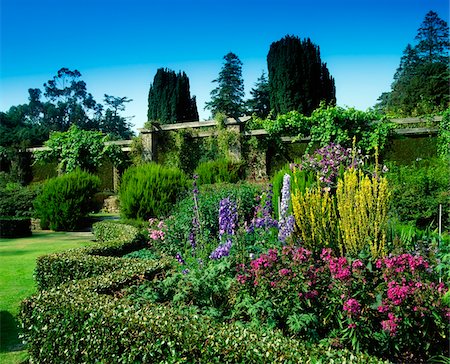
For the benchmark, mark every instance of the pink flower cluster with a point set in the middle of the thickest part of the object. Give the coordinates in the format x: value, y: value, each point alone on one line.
x: 391, y: 324
x: 402, y: 263
x: 156, y: 232
x: 339, y: 267
x: 397, y: 293
x: 352, y: 306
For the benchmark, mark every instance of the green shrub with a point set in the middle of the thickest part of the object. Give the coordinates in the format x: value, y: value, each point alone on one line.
x: 150, y: 190
x: 65, y: 200
x: 91, y: 321
x: 220, y: 170
x: 58, y: 268
x: 16, y: 200
x: 418, y: 189
x: 15, y: 227
x: 114, y: 231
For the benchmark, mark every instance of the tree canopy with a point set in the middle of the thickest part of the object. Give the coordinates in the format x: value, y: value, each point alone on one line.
x: 298, y: 79
x: 228, y: 97
x: 169, y: 98
x: 421, y: 82
x: 259, y: 103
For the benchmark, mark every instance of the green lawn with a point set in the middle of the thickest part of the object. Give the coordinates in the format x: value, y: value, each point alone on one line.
x: 17, y: 263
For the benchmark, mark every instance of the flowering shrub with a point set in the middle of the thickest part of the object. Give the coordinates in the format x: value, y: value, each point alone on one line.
x: 390, y: 308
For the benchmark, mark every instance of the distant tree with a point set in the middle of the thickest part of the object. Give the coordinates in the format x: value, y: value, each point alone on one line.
x: 228, y: 96
x: 298, y: 79
x: 112, y: 123
x: 169, y: 98
x: 421, y: 82
x: 74, y: 105
x: 259, y: 103
x: 432, y: 37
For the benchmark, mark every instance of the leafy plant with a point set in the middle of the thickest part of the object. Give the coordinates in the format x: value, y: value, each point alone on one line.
x: 418, y: 190
x: 150, y: 190
x: 218, y: 171
x: 65, y: 200
x: 79, y: 148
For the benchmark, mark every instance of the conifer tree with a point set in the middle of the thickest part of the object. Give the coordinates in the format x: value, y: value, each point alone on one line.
x: 259, y: 103
x: 298, y: 79
x: 228, y: 96
x: 421, y: 82
x: 169, y: 98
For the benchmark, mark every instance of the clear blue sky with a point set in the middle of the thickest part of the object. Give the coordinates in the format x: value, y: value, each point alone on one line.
x: 118, y: 45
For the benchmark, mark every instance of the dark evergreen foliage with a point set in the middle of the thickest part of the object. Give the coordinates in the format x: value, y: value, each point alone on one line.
x: 259, y: 103
x: 169, y: 98
x: 298, y: 79
x: 421, y: 82
x: 228, y: 97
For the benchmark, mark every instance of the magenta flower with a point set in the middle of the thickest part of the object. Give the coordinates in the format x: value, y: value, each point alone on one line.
x: 352, y: 306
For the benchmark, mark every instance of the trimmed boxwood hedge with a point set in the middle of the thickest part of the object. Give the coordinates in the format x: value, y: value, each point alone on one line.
x: 15, y: 227
x: 109, y: 230
x: 58, y: 268
x: 89, y: 321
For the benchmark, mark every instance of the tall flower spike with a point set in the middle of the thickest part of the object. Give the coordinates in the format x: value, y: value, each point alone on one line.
x: 286, y: 224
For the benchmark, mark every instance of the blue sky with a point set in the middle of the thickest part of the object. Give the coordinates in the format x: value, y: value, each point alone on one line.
x: 118, y: 45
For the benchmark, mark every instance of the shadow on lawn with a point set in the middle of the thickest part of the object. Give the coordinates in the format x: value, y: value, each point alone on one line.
x: 9, y: 332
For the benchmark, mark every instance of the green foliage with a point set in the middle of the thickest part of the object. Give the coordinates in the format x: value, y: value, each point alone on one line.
x: 15, y: 227
x: 108, y: 230
x: 227, y: 97
x: 298, y: 79
x: 444, y: 135
x: 55, y: 269
x: 65, y: 200
x: 150, y: 190
x: 218, y: 171
x: 78, y: 148
x: 418, y: 189
x: 91, y: 318
x: 333, y: 125
x: 169, y: 98
x: 421, y: 82
x: 113, y: 124
x: 259, y: 103
x: 17, y: 201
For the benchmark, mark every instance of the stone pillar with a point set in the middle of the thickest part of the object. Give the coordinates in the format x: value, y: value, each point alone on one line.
x: 234, y: 147
x: 148, y: 144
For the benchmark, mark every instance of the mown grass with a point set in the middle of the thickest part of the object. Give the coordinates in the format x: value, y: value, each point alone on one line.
x: 17, y: 263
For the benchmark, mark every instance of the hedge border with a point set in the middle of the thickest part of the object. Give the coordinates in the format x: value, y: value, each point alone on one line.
x: 92, y: 318
x: 99, y: 258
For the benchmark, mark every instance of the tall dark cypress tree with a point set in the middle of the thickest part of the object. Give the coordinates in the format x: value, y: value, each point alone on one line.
x: 298, y: 79
x: 169, y: 98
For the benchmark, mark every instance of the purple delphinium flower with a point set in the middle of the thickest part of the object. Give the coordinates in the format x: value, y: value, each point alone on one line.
x: 180, y: 258
x: 223, y: 250
x: 263, y: 215
x: 227, y: 217
x: 286, y: 224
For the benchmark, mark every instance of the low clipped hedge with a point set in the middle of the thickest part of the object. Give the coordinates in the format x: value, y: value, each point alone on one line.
x: 58, y: 268
x: 90, y: 321
x: 15, y: 227
x: 109, y: 230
